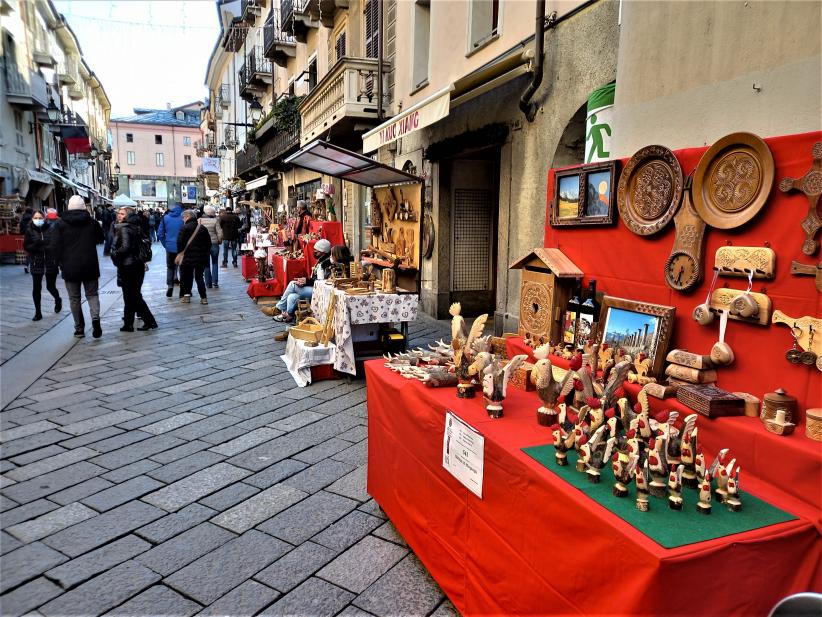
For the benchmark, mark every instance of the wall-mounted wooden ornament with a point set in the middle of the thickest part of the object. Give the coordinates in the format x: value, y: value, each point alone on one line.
x: 811, y: 185
x: 683, y: 268
x: 724, y: 299
x: 738, y: 260
x: 802, y: 269
x: 804, y: 324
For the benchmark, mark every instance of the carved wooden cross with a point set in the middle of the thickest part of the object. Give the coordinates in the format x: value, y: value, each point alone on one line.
x: 811, y: 185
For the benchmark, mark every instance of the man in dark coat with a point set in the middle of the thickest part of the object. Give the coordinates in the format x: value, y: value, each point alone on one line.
x: 74, y: 245
x: 230, y: 224
x: 197, y: 254
x: 167, y: 233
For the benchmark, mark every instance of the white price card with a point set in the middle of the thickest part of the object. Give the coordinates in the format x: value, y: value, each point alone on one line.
x: 463, y: 453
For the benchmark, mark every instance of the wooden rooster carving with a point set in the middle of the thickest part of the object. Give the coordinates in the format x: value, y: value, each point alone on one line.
x: 462, y: 341
x: 549, y: 390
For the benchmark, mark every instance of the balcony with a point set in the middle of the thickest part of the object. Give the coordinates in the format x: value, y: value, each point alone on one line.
x: 283, y: 142
x: 247, y: 159
x: 41, y: 54
x: 346, y: 98
x: 250, y: 10
x: 277, y: 45
x: 75, y: 92
x: 224, y: 96
x: 32, y: 94
x: 67, y: 72
x: 255, y: 74
x: 299, y: 16
x: 328, y: 10
x: 234, y: 36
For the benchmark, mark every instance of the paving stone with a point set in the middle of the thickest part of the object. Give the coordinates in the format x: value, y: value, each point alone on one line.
x: 355, y: 435
x: 33, y: 442
x: 387, y: 531
x: 407, y: 589
x: 362, y: 564
x: 307, y: 518
x: 148, y: 418
x: 276, y: 473
x: 157, y: 600
x: 77, y: 415
x: 122, y: 493
x: 353, y: 485
x: 60, y: 393
x: 373, y: 508
x: 225, y: 434
x: 196, y: 486
x: 175, y: 553
x: 357, y: 454
x: 314, y: 597
x: 169, y: 424
x: 82, y: 568
x: 137, y: 451
x: 445, y: 609
x: 173, y: 524
x: 92, y: 438
x: 322, y: 451
x: 258, y: 508
x: 296, y: 421
x: 103, y: 592
x: 52, y: 463
x: 247, y: 599
x: 296, y: 566
x: 353, y: 611
x: 27, y: 429
x: 230, y: 496
x: 211, y: 576
x: 80, y: 491
x: 27, y: 597
x: 185, y: 466
x: 92, y: 424
x: 209, y: 425
x: 7, y: 504
x: 27, y: 562
x: 104, y: 528
x: 129, y: 384
x: 318, y: 476
x: 186, y: 385
x: 122, y: 440
x: 131, y: 471
x: 26, y: 512
x: 175, y: 454
x: 347, y: 531
x: 50, y: 523
x: 8, y: 543
x: 248, y: 440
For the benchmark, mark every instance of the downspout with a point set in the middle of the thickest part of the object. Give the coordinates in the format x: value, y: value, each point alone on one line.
x: 380, y: 114
x: 530, y: 110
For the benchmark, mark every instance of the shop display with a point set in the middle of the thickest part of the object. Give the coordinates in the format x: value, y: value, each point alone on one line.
x: 776, y: 400
x: 467, y: 344
x: 813, y: 423
x: 807, y: 338
x: 742, y: 309
x: 584, y: 195
x: 721, y: 352
x: 650, y: 190
x: 710, y: 401
x: 739, y: 260
x: 683, y: 268
x: 801, y: 269
x: 779, y: 425
x: 495, y: 378
x: 811, y: 185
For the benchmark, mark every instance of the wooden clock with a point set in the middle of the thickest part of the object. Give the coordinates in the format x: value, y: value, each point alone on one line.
x: 683, y: 268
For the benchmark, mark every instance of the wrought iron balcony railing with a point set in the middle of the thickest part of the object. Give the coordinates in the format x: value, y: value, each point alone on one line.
x: 247, y: 159
x: 277, y: 45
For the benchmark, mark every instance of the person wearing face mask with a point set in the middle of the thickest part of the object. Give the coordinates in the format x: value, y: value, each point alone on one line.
x: 303, y: 288
x: 42, y: 262
x: 125, y: 253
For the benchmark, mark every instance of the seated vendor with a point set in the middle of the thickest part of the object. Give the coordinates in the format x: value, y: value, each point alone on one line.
x: 303, y: 288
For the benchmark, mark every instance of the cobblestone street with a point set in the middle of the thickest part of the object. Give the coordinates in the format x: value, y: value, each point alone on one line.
x: 181, y: 471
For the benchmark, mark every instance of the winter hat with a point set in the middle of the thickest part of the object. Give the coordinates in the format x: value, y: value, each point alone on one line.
x: 76, y: 203
x: 323, y: 246
x: 209, y: 211
x: 51, y: 214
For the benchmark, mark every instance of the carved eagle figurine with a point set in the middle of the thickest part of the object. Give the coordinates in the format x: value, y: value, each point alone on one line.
x: 549, y: 390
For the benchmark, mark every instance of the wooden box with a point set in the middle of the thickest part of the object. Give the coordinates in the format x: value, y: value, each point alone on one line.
x: 710, y: 401
x: 548, y: 279
x: 522, y: 377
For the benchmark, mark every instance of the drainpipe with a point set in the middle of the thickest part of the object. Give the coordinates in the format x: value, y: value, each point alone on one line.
x: 530, y: 110
x: 380, y: 115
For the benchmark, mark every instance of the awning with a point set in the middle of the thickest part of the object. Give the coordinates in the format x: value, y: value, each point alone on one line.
x: 75, y: 138
x: 419, y: 115
x: 257, y: 183
x: 329, y: 159
x: 78, y: 189
x: 39, y: 176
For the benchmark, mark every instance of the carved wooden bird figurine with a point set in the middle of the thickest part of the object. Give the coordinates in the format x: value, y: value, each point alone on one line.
x: 549, y: 390
x: 495, y: 383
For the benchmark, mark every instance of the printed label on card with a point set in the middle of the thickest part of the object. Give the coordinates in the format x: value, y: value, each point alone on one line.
x: 463, y: 453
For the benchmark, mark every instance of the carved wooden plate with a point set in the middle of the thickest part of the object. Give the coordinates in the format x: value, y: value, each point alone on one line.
x: 733, y: 180
x: 649, y: 190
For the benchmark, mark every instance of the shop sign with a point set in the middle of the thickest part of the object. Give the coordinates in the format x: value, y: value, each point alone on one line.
x: 416, y: 117
x: 463, y: 453
x: 211, y: 165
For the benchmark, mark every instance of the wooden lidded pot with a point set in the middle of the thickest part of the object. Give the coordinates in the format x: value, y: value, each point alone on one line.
x: 813, y: 423
x: 778, y: 399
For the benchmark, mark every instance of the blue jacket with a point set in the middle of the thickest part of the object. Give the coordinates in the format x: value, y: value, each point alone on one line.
x: 170, y: 228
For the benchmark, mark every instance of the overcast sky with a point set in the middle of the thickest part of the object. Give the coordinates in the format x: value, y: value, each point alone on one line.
x: 146, y: 53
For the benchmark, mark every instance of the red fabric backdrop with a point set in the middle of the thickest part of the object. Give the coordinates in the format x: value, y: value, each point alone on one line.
x: 631, y: 266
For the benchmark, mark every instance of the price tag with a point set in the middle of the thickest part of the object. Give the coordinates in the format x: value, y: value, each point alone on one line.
x: 463, y: 453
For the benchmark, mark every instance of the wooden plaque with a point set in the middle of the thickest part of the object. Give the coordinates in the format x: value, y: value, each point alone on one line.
x: 650, y: 190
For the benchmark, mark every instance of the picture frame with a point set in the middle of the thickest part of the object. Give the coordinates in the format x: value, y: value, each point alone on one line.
x: 637, y: 327
x: 584, y: 195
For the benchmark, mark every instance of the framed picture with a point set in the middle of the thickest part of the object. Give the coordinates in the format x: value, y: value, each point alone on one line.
x: 637, y: 327
x: 584, y: 195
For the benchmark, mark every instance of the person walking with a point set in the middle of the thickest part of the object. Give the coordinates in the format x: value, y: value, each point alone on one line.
x: 108, y: 222
x: 127, y: 255
x: 152, y: 226
x: 74, y: 241
x: 37, y: 243
x: 210, y: 221
x: 25, y: 222
x: 230, y: 225
x: 195, y: 247
x: 167, y: 234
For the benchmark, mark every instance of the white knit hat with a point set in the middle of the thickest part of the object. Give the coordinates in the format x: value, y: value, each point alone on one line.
x: 323, y: 246
x: 76, y: 203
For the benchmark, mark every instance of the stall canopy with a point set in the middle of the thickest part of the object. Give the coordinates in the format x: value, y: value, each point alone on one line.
x: 329, y: 159
x: 124, y: 200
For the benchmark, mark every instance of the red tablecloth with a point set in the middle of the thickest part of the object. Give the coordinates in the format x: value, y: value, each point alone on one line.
x: 248, y: 267
x: 535, y: 545
x: 267, y: 289
x: 286, y: 270
x: 9, y: 243
x: 330, y: 230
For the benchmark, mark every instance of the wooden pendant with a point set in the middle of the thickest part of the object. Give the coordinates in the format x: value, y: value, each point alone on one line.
x: 811, y: 185
x: 683, y: 268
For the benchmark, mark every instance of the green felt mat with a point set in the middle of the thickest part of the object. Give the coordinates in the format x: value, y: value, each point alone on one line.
x: 669, y: 528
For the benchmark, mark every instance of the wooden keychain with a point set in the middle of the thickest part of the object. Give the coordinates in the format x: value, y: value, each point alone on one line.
x: 794, y: 355
x: 808, y: 357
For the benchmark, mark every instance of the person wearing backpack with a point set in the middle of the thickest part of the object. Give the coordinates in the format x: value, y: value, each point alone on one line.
x: 128, y: 252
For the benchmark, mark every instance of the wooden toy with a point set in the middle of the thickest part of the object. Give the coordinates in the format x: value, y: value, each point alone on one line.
x: 463, y: 342
x: 658, y: 467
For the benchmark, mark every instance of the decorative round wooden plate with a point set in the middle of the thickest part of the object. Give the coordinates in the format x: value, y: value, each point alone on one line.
x: 649, y: 190
x: 733, y: 180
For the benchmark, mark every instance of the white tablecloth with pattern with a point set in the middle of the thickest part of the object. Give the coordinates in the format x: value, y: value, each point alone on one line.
x: 353, y: 310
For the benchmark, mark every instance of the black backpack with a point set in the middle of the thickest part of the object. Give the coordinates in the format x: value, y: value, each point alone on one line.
x: 144, y: 252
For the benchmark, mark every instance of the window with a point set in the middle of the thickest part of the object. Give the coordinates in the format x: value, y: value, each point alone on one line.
x: 339, y: 46
x: 130, y: 138
x: 160, y: 159
x: 187, y: 160
x: 312, y: 74
x: 158, y: 139
x: 18, y: 128
x: 422, y: 40
x: 131, y: 158
x: 180, y: 116
x: 484, y: 21
x: 372, y: 28
x: 186, y: 140
x: 291, y: 91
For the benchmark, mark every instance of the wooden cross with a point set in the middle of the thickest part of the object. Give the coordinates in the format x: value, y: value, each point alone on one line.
x: 811, y: 185
x: 800, y: 269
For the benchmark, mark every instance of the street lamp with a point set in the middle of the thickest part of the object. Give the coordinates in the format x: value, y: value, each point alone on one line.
x: 117, y: 168
x: 53, y: 111
x: 94, y: 152
x: 222, y: 150
x: 256, y: 111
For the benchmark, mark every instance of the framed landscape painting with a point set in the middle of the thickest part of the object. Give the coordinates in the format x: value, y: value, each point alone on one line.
x: 584, y: 195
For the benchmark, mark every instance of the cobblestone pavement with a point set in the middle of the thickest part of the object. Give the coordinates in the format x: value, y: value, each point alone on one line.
x: 180, y: 471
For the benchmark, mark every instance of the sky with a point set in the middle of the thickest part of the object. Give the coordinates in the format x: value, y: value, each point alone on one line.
x: 146, y: 53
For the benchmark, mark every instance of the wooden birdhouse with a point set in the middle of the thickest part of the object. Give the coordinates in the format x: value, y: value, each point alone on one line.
x: 548, y: 279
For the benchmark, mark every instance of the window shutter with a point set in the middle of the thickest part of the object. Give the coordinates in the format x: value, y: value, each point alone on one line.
x: 372, y: 26
x: 340, y: 46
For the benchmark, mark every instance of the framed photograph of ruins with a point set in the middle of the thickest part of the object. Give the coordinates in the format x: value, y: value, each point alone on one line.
x: 637, y: 328
x: 584, y: 195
